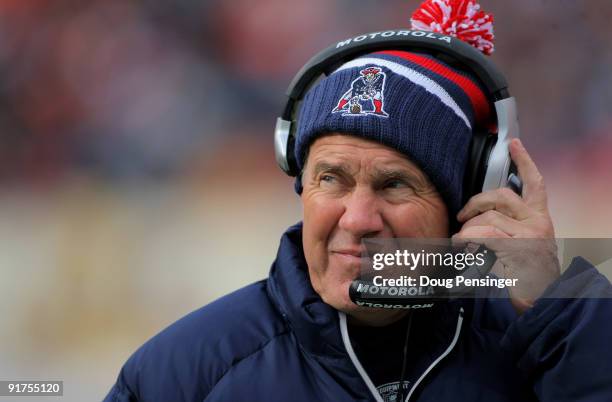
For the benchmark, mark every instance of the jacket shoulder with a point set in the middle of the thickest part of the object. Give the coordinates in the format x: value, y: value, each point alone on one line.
x: 185, y: 360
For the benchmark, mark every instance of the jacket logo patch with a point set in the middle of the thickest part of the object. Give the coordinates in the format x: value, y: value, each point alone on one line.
x: 365, y: 96
x: 389, y: 391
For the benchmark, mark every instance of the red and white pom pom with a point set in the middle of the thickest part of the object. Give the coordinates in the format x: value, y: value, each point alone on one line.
x: 460, y: 18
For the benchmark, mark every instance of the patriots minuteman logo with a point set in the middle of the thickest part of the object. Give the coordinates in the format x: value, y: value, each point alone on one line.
x: 365, y: 97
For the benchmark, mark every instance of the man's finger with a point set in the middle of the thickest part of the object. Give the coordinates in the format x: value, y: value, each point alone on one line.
x: 481, y: 233
x: 498, y: 220
x: 503, y: 200
x: 534, y: 192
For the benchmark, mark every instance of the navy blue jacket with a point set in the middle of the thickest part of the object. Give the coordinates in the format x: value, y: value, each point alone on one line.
x: 275, y: 340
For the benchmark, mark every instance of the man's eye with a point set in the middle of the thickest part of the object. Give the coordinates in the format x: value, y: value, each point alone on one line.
x: 391, y: 184
x: 327, y: 178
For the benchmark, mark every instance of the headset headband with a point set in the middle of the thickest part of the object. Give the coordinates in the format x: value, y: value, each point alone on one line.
x: 441, y: 46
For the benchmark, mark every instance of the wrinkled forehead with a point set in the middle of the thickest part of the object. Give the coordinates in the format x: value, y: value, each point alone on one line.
x: 355, y: 156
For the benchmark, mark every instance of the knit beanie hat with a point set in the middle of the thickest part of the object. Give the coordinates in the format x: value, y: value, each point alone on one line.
x: 411, y: 102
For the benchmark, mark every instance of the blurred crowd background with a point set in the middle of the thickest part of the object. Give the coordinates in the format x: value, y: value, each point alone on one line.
x: 137, y: 176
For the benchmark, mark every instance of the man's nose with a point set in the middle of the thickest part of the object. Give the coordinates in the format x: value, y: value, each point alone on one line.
x: 362, y: 215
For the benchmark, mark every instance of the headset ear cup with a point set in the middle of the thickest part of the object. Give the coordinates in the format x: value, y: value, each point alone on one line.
x: 284, y: 147
x: 291, y: 162
x: 480, y: 148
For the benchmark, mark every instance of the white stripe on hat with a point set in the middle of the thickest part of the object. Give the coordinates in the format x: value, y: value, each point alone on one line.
x: 419, y: 79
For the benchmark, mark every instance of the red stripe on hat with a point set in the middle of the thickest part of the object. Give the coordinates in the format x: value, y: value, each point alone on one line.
x: 479, y: 101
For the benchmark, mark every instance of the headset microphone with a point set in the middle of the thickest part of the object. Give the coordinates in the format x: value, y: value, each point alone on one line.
x: 364, y: 293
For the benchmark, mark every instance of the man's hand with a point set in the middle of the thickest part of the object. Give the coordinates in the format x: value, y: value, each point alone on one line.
x: 503, y: 214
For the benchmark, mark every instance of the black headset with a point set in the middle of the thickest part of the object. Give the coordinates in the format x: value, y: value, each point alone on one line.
x: 489, y: 166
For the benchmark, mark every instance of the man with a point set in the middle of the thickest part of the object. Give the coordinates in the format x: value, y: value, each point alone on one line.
x: 297, y: 336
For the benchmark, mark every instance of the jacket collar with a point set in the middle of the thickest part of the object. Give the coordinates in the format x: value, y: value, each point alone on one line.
x: 314, y: 322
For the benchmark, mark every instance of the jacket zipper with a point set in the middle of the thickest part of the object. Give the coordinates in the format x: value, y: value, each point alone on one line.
x: 349, y: 348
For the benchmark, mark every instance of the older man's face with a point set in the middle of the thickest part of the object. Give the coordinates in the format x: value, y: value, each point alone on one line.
x: 354, y: 189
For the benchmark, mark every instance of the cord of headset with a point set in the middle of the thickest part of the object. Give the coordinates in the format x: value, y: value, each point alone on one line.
x: 400, y: 390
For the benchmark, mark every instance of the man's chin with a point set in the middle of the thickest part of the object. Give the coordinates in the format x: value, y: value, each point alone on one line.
x: 342, y: 301
x: 340, y: 298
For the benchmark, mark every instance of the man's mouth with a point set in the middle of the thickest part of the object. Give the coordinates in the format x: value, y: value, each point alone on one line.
x: 355, y: 252
x: 351, y: 256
